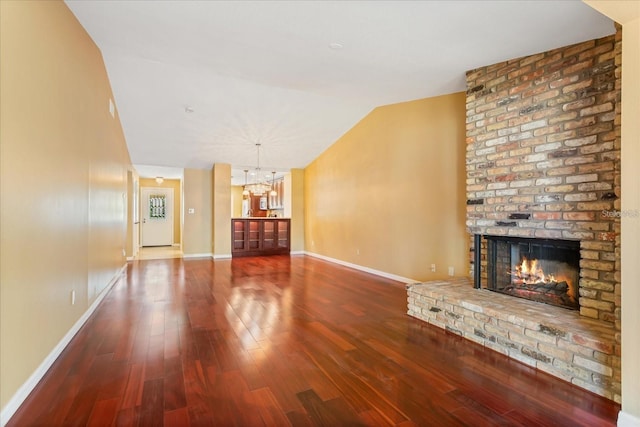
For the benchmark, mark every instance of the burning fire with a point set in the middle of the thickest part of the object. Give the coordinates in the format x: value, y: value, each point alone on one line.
x: 529, y: 273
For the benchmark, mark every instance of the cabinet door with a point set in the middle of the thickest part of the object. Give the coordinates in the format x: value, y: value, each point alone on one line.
x: 239, y: 236
x: 283, y: 234
x: 269, y: 234
x: 254, y: 235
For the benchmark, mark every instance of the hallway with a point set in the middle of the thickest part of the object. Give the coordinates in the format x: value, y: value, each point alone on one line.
x: 285, y: 340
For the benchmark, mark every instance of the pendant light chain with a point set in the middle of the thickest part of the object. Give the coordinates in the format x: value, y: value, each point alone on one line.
x: 258, y: 187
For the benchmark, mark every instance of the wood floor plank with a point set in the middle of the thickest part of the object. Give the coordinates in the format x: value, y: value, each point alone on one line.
x: 321, y: 414
x: 152, y: 407
x: 133, y: 390
x: 177, y: 418
x: 126, y: 417
x: 268, y: 407
x: 104, y: 412
x: 174, y: 390
x: 279, y: 341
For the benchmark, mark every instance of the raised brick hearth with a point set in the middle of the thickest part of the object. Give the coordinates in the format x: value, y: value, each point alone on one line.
x: 543, y: 161
x: 553, y: 339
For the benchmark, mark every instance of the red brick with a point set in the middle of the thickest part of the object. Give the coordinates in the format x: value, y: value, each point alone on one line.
x: 579, y: 216
x: 586, y: 121
x: 542, y: 96
x: 579, y: 48
x: 518, y: 71
x: 563, y: 81
x: 580, y: 85
x: 519, y: 88
x: 577, y: 67
x: 547, y: 215
x: 596, y: 109
x: 549, y: 59
x: 562, y: 117
x: 582, y: 103
x: 598, y: 50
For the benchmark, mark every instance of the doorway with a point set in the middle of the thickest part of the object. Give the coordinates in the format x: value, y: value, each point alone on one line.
x: 157, y: 216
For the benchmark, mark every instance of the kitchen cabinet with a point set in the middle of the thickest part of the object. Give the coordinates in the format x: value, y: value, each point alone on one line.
x: 260, y: 236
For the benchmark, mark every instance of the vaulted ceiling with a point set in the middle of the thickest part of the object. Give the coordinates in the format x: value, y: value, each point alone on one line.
x: 201, y: 82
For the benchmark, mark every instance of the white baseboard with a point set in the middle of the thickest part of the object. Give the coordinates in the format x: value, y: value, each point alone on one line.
x: 23, y: 392
x: 362, y: 268
x: 205, y: 255
x: 208, y: 255
x: 296, y: 253
x: 627, y: 420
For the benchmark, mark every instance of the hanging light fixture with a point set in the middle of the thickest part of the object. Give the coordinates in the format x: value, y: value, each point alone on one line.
x: 245, y: 191
x: 258, y: 188
x: 273, y: 191
x: 159, y: 179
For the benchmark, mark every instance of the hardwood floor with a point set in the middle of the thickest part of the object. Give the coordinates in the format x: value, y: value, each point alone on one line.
x: 279, y: 341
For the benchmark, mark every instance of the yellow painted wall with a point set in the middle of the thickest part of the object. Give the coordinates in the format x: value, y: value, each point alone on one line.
x: 131, y: 247
x: 177, y: 201
x: 64, y: 166
x: 236, y: 201
x: 390, y: 194
x: 294, y: 207
x: 627, y: 13
x: 197, y: 229
x: 221, y: 238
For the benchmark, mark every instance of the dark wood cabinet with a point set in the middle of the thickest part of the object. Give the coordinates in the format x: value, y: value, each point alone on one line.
x: 260, y: 236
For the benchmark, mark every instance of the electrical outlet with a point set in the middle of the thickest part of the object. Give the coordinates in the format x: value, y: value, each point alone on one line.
x: 451, y: 271
x: 433, y: 268
x: 357, y: 251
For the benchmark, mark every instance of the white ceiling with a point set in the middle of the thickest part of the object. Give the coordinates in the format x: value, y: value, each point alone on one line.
x: 263, y: 72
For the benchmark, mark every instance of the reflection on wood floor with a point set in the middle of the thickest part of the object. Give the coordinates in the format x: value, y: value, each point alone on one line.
x: 159, y: 252
x: 277, y: 341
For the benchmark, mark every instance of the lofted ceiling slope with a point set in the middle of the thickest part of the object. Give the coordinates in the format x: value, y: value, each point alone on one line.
x: 201, y: 82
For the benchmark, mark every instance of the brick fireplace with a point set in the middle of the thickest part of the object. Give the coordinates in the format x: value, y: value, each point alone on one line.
x: 543, y: 162
x: 542, y: 270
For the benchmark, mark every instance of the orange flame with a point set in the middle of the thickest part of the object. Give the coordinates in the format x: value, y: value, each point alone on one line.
x: 529, y: 272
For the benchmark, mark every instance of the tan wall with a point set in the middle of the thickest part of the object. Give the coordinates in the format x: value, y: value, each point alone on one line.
x: 627, y: 13
x: 64, y: 167
x: 197, y: 229
x: 177, y: 201
x: 389, y: 195
x: 221, y: 210
x: 131, y: 247
x: 236, y: 201
x: 294, y: 207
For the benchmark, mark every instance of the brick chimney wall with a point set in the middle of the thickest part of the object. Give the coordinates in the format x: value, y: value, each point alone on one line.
x: 543, y: 158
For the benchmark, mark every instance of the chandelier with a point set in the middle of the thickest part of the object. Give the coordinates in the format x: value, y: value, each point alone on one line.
x: 257, y: 188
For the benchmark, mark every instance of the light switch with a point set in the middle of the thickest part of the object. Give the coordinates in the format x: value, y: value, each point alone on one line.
x: 191, y: 210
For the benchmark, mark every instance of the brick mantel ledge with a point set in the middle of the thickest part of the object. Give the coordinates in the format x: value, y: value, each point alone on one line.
x: 553, y: 339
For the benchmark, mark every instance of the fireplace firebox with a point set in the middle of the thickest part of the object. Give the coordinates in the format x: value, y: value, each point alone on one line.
x: 542, y: 270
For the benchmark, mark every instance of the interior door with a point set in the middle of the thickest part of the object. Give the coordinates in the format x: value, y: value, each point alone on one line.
x: 157, y: 216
